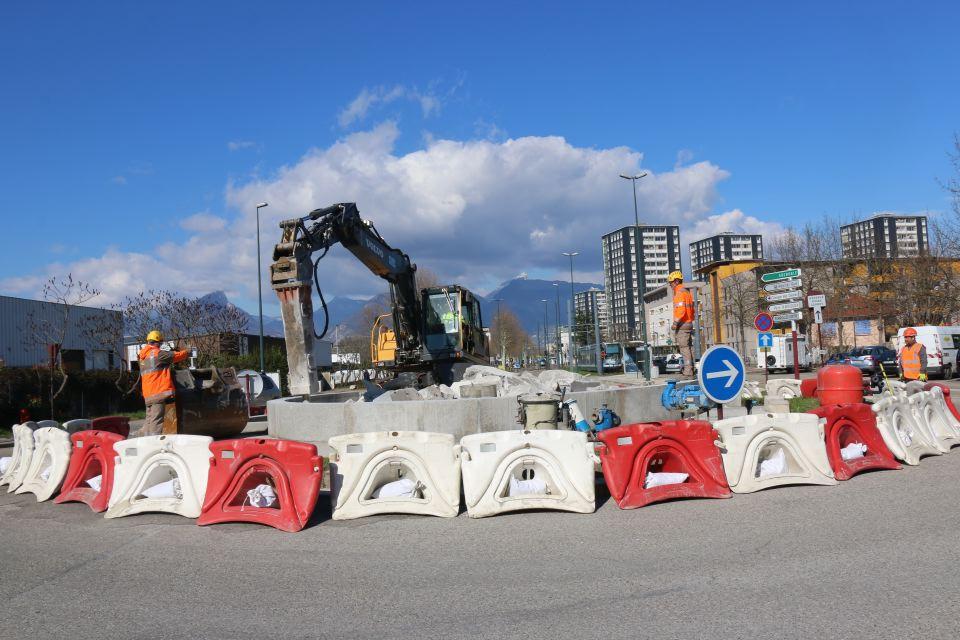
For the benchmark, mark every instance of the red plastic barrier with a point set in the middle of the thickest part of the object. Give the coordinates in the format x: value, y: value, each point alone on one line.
x: 293, y: 469
x: 92, y: 456
x: 946, y: 395
x: 849, y: 423
x: 631, y: 451
x: 114, y: 424
x: 840, y: 384
x: 808, y: 388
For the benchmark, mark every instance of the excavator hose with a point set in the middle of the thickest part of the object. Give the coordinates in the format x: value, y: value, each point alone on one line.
x: 323, y: 303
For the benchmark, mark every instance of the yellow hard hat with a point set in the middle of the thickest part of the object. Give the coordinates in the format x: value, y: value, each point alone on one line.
x: 676, y: 275
x: 154, y: 336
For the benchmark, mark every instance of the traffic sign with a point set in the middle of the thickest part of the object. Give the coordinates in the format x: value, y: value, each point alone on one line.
x: 817, y: 301
x: 763, y: 321
x: 765, y: 340
x: 786, y: 295
x: 787, y: 306
x: 783, y: 285
x: 788, y: 317
x: 721, y: 373
x: 818, y: 315
x: 780, y: 275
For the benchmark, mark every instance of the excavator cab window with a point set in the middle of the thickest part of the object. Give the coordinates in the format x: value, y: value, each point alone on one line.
x: 443, y: 321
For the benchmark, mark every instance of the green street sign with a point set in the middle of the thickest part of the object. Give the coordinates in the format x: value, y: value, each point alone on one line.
x: 780, y: 275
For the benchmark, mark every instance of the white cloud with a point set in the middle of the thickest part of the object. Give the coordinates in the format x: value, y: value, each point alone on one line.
x: 203, y: 222
x: 734, y: 220
x: 119, y: 180
x: 367, y: 99
x: 237, y: 145
x: 475, y: 212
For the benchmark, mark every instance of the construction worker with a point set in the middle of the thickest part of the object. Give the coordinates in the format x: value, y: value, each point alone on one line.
x: 156, y: 381
x: 683, y: 316
x: 912, y: 357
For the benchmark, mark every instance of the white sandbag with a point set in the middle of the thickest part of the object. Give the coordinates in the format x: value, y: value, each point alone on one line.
x: 403, y: 488
x: 661, y: 479
x: 5, y: 464
x: 168, y: 489
x: 853, y: 451
x: 533, y: 487
x: 774, y: 465
x: 95, y: 482
x: 262, y: 496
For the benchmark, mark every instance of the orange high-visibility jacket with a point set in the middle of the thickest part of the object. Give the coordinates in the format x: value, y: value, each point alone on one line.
x: 913, y: 361
x: 682, y: 306
x: 156, y: 379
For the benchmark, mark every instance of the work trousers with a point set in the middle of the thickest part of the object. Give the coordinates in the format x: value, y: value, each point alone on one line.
x: 684, y: 340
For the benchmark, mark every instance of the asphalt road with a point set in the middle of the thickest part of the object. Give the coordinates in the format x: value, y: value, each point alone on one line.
x: 875, y: 557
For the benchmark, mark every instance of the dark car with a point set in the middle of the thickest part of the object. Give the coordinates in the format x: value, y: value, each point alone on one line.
x: 869, y: 359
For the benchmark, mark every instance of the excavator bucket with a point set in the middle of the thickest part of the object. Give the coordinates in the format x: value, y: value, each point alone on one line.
x: 210, y: 402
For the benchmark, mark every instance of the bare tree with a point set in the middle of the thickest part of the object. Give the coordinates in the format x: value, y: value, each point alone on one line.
x: 508, y: 335
x: 740, y: 296
x: 50, y: 331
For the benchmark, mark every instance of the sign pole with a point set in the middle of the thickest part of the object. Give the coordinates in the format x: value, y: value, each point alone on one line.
x: 796, y: 356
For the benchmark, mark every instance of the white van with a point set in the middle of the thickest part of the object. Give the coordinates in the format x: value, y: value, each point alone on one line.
x: 942, y: 344
x: 780, y: 355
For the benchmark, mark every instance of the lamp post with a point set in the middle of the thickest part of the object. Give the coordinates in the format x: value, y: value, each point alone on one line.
x: 570, y: 254
x: 546, y: 352
x: 503, y: 346
x: 642, y: 276
x: 633, y: 179
x: 260, y: 283
x: 557, y: 327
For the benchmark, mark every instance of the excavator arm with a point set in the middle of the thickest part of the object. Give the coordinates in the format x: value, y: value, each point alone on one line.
x: 294, y: 271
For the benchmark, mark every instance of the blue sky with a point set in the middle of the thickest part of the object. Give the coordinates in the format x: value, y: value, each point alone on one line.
x: 136, y: 138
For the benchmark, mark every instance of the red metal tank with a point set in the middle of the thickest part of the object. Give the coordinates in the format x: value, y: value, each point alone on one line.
x: 840, y: 384
x: 808, y: 388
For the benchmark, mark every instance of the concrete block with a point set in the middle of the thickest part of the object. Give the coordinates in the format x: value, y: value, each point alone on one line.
x: 320, y: 419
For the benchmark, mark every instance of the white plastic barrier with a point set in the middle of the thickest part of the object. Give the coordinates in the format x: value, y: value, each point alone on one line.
x: 900, y: 431
x: 78, y: 424
x: 23, y: 446
x: 379, y: 472
x: 928, y: 412
x: 772, y: 449
x: 913, y: 386
x: 165, y: 473
x: 51, y: 457
x: 518, y: 470
x: 783, y: 388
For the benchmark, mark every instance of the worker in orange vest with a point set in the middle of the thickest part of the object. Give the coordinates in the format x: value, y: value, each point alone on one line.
x: 912, y: 357
x: 156, y: 380
x: 683, y: 317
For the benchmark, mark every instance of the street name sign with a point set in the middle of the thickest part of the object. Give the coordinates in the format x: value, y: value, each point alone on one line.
x: 721, y: 374
x: 783, y: 285
x: 763, y: 321
x: 787, y: 306
x: 780, y: 275
x: 765, y: 340
x: 788, y: 317
x: 786, y: 295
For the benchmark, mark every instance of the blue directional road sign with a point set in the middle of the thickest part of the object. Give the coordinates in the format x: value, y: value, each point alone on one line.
x: 721, y: 374
x: 764, y: 340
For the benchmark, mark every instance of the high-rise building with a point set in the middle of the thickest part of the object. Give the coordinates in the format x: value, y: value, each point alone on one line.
x: 886, y: 235
x: 583, y: 308
x: 725, y: 246
x: 636, y: 259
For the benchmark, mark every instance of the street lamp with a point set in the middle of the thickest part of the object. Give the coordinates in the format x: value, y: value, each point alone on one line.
x: 633, y: 179
x: 260, y: 283
x: 546, y: 351
x: 570, y: 254
x: 503, y: 346
x: 557, y: 326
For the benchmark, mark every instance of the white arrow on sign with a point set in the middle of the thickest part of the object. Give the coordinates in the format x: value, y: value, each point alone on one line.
x: 787, y: 295
x: 783, y: 285
x: 818, y: 315
x: 787, y: 317
x: 730, y: 374
x: 787, y: 306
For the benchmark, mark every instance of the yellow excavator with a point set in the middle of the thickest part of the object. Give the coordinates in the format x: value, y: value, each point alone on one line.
x: 436, y: 332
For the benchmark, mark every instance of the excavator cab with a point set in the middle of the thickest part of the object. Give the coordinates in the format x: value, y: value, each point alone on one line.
x: 453, y: 326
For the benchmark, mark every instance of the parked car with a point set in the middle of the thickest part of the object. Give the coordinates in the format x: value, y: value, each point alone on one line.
x: 837, y: 358
x: 673, y: 363
x: 259, y: 390
x: 869, y: 359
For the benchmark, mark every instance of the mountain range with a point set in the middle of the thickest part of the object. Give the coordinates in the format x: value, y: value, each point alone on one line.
x: 523, y: 296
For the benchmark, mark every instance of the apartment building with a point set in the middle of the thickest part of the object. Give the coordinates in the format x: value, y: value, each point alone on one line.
x: 725, y: 246
x: 886, y: 235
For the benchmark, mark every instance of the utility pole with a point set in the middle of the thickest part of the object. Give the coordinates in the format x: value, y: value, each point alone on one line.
x: 557, y: 326
x: 503, y: 344
x: 260, y: 283
x: 546, y: 352
x: 570, y: 254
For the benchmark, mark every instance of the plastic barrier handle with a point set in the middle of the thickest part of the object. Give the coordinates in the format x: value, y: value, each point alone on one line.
x: 592, y: 452
x: 460, y: 452
x: 719, y: 444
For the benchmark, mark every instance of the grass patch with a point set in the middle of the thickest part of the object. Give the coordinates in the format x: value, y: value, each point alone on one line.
x: 6, y: 433
x: 802, y: 405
